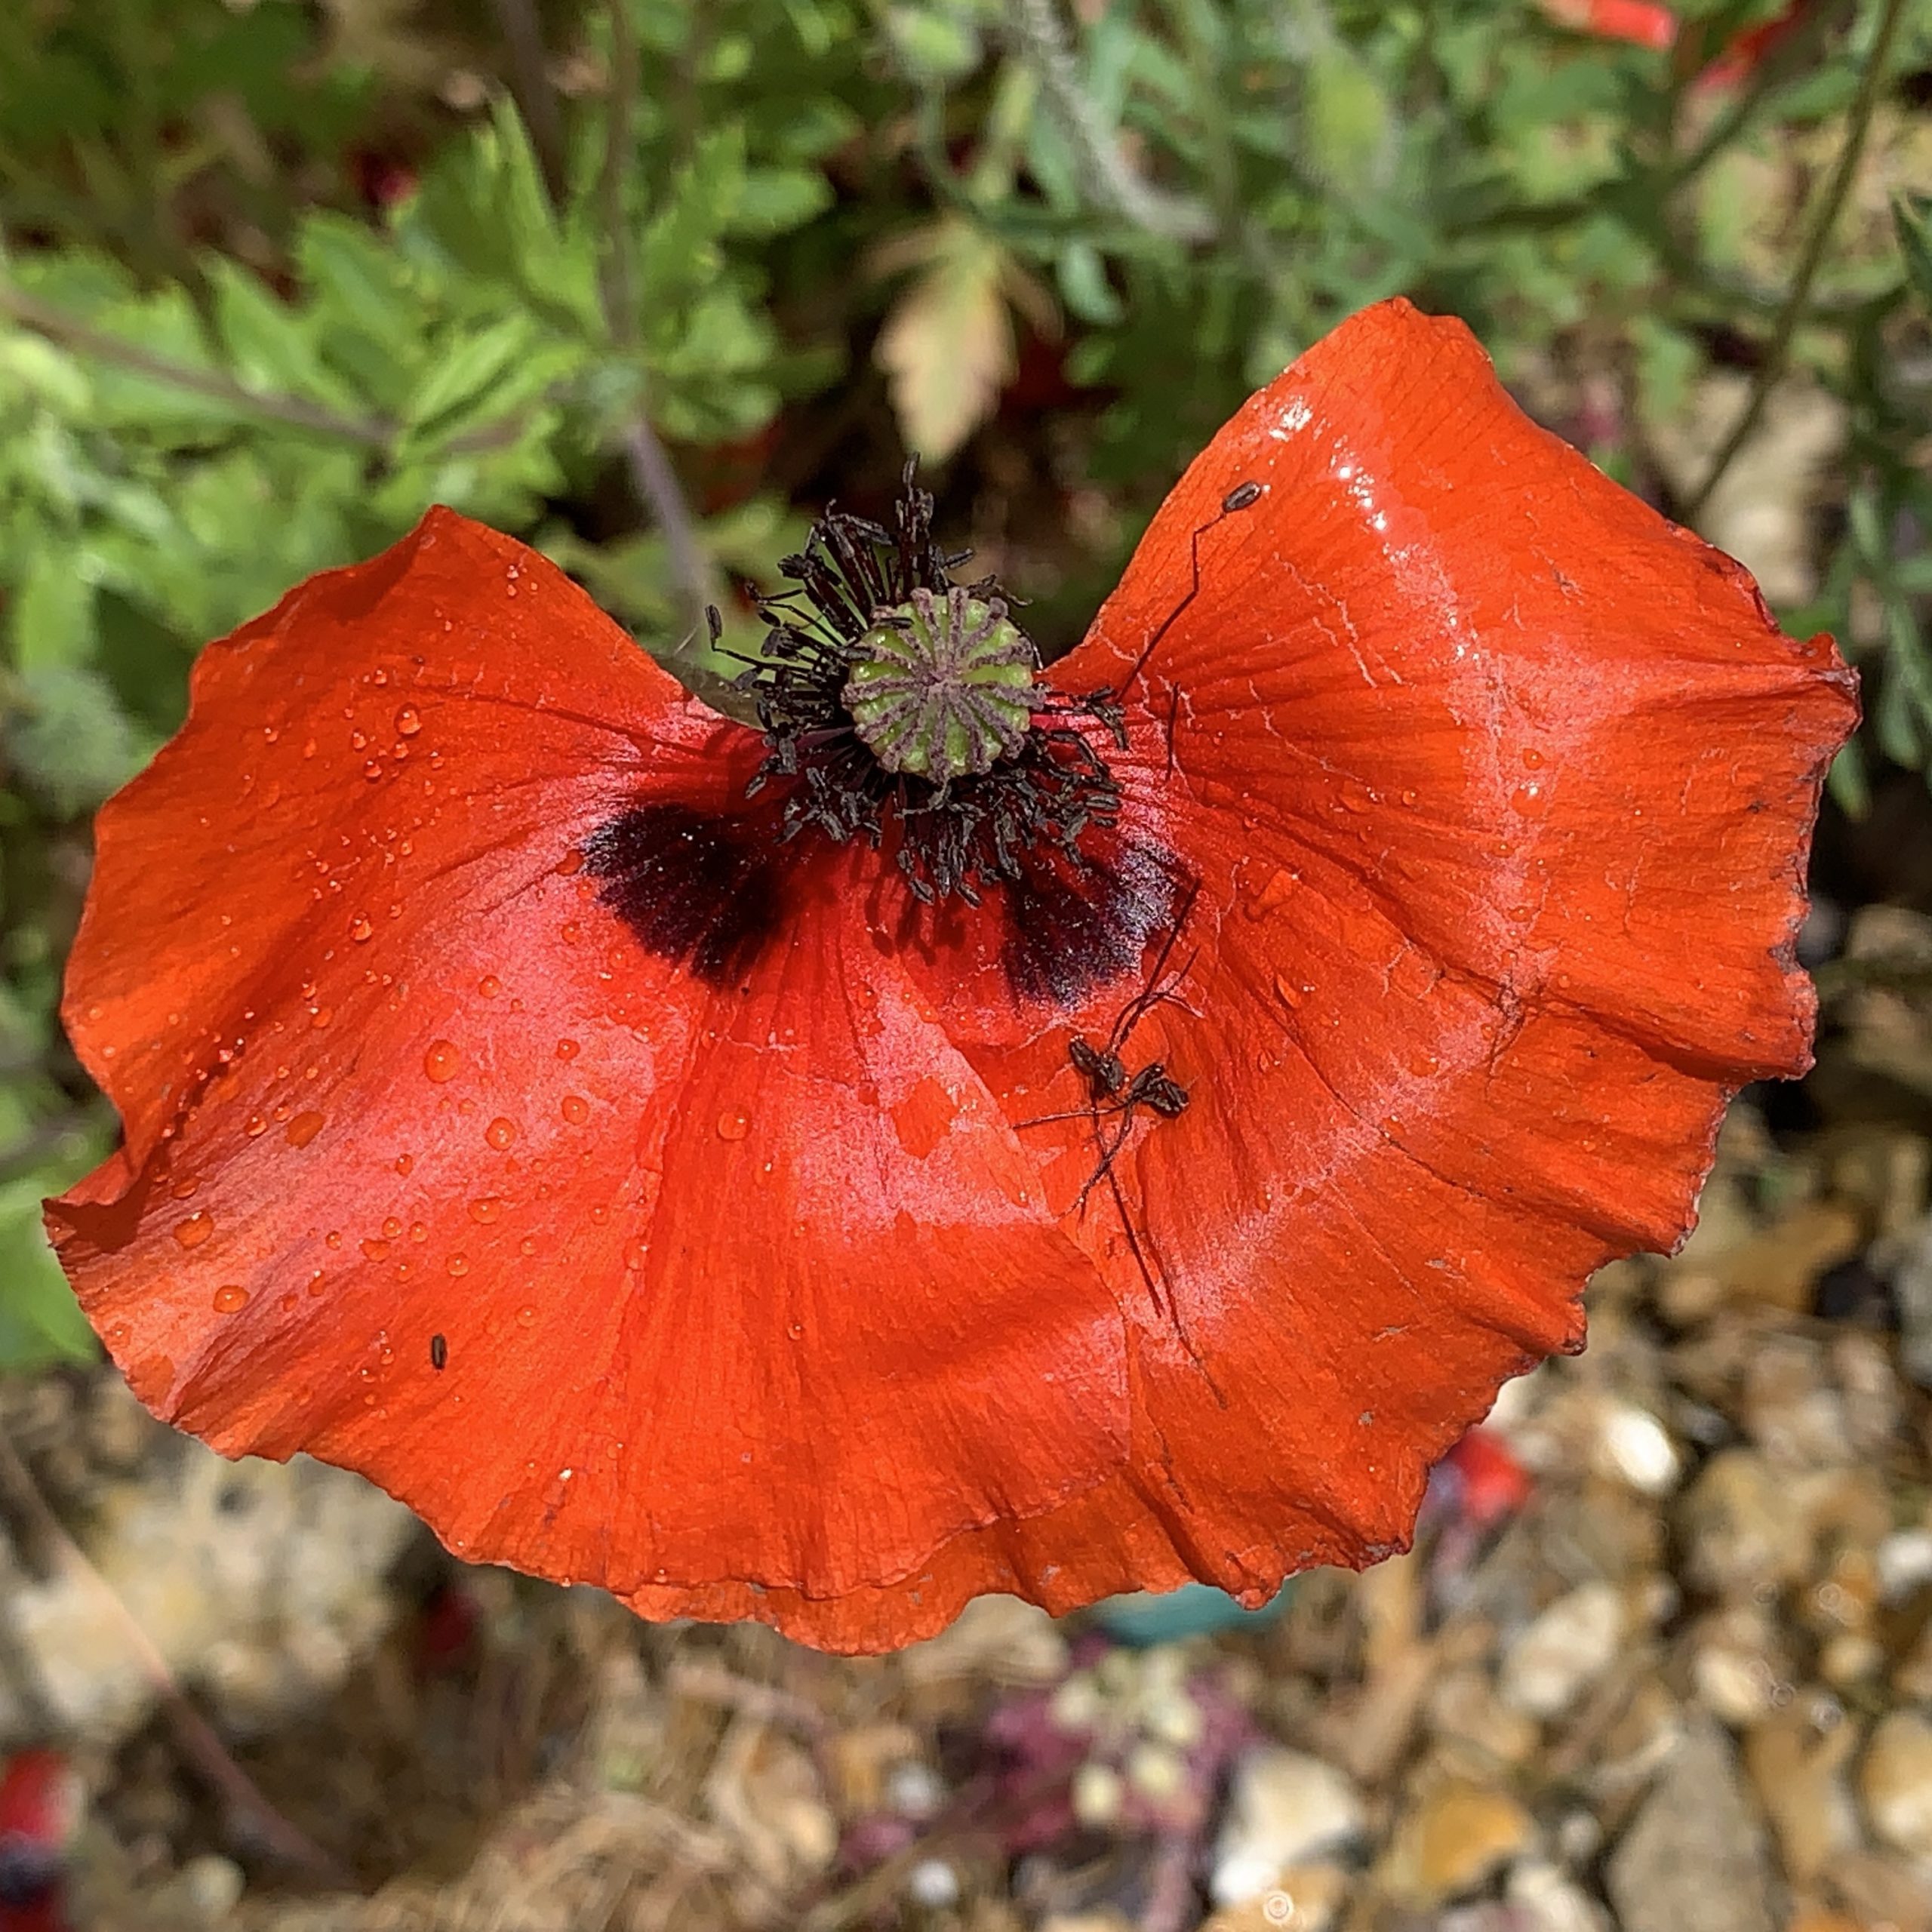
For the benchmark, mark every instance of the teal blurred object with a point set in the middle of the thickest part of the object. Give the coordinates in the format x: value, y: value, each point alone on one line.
x: 1194, y: 1609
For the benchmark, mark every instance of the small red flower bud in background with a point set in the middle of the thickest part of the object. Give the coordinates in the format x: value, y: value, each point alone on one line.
x: 1642, y: 22
x: 40, y: 1806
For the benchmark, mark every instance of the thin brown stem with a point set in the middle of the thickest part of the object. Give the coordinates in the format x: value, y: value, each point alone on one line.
x: 200, y: 1742
x: 536, y: 97
x: 652, y: 475
x: 293, y: 411
x: 1039, y: 36
x: 1797, y: 54
x: 1777, y: 352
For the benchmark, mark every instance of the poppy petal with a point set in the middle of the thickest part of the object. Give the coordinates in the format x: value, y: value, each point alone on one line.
x: 612, y: 1270
x: 1560, y: 740
x: 1499, y: 789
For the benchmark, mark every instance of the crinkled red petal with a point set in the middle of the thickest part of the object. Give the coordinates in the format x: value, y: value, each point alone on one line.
x: 777, y: 1302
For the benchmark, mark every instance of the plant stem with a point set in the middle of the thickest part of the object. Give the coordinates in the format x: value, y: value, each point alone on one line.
x: 199, y: 1739
x: 1778, y: 351
x: 1785, y: 62
x: 536, y: 99
x: 294, y: 412
x: 1040, y: 38
x: 652, y: 475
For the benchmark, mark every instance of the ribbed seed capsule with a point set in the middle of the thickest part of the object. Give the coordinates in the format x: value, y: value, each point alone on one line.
x: 942, y: 686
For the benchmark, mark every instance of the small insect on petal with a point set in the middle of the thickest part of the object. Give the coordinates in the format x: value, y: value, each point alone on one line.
x: 439, y: 1353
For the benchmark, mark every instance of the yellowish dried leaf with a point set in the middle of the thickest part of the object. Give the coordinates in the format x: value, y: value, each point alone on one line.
x: 947, y: 346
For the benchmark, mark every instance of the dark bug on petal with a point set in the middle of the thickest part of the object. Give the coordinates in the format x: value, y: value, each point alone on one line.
x: 1115, y: 1095
x: 439, y: 1353
x: 1242, y: 497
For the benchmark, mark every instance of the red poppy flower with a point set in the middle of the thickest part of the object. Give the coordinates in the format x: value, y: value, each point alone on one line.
x: 1644, y: 22
x: 716, y: 1164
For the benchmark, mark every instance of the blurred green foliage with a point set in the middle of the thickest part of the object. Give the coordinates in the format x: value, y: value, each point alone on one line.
x: 275, y: 279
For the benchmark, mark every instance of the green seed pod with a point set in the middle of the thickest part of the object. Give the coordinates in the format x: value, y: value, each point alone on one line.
x: 942, y: 686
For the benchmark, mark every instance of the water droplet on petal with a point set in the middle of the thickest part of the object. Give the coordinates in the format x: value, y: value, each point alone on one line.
x: 1532, y: 757
x: 442, y: 1061
x: 486, y: 1207
x: 733, y: 1125
x: 459, y: 1264
x: 500, y: 1133
x: 196, y: 1229
x: 254, y: 1125
x: 576, y: 1109
x: 527, y: 1316
x: 373, y: 770
x: 1275, y: 894
x: 1525, y: 798
x: 408, y: 721
x: 489, y: 985
x: 570, y: 932
x: 303, y: 1129
x: 374, y: 1250
x: 392, y: 1228
x: 404, y: 1162
x: 230, y: 1300
x: 362, y: 929
x: 567, y: 1050
x: 569, y: 863
x: 635, y: 1252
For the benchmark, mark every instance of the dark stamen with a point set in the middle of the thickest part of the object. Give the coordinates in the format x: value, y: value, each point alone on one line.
x: 969, y: 797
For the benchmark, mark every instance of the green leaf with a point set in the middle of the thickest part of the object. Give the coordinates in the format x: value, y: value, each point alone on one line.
x: 33, y: 367
x: 51, y: 616
x: 678, y: 249
x: 40, y: 1321
x: 936, y: 44
x: 270, y: 346
x: 772, y: 200
x: 463, y: 372
x: 1848, y: 782
x: 68, y: 739
x: 372, y: 310
x: 1911, y: 220
x: 1084, y: 285
x: 1347, y: 126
